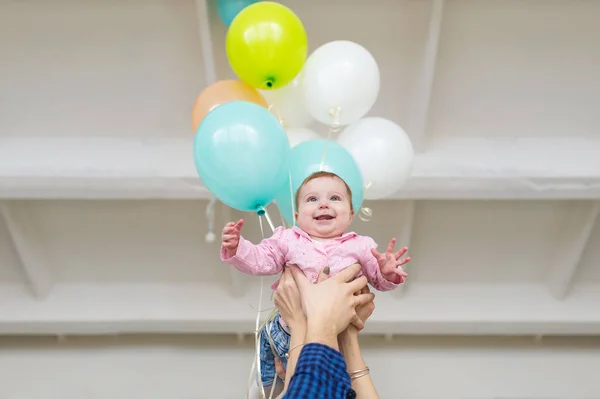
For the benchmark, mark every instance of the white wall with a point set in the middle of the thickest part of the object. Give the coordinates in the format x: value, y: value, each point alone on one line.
x: 516, y: 68
x: 190, y: 367
x: 131, y: 69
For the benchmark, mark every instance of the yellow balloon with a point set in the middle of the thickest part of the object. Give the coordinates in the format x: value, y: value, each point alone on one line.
x: 266, y: 45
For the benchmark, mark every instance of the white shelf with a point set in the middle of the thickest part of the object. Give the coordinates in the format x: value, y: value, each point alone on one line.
x: 74, y: 168
x: 204, y: 308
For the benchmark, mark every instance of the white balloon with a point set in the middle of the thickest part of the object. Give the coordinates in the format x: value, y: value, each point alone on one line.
x: 340, y: 75
x: 287, y: 104
x: 297, y: 135
x: 382, y: 151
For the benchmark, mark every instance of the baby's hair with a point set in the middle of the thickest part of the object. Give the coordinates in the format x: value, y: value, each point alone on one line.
x: 324, y: 174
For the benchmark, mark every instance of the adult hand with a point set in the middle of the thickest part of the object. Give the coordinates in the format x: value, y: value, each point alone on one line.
x: 363, y: 312
x: 279, y: 369
x: 287, y: 300
x: 331, y: 305
x: 324, y: 275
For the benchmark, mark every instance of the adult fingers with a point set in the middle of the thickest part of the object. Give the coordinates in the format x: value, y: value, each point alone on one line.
x: 358, y: 323
x: 363, y: 299
x: 358, y: 284
x: 279, y: 369
x: 286, y: 275
x: 287, y: 281
x: 300, y: 279
x: 348, y: 274
x: 364, y: 290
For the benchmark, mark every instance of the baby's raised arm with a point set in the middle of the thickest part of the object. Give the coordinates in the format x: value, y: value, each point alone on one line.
x: 383, y: 271
x: 264, y: 259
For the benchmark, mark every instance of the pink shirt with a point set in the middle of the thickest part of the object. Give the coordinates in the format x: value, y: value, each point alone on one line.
x: 294, y: 246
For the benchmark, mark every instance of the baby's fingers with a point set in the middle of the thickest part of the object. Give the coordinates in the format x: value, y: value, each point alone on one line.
x: 401, y: 252
x: 391, y: 245
x: 239, y: 224
x: 376, y: 254
x: 399, y: 271
x: 403, y: 261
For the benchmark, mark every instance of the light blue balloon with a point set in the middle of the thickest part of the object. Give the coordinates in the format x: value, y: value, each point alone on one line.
x: 242, y: 154
x: 228, y: 9
x: 307, y: 158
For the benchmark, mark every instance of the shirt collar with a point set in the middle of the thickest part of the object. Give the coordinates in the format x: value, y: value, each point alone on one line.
x: 344, y: 237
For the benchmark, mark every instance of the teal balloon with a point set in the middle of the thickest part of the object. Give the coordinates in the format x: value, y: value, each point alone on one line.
x: 228, y: 9
x: 307, y: 158
x: 242, y: 153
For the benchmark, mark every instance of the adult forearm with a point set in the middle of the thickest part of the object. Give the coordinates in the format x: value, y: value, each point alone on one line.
x: 357, y: 367
x: 321, y: 332
x: 297, y: 340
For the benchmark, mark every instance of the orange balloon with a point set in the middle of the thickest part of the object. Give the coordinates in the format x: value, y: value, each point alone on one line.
x: 222, y: 92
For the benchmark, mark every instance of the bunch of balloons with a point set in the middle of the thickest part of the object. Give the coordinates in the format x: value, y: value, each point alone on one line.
x: 253, y: 143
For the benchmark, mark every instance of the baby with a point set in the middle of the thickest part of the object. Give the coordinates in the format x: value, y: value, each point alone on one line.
x: 324, y: 213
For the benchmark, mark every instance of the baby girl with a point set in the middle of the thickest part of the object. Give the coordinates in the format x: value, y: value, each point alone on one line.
x: 324, y: 213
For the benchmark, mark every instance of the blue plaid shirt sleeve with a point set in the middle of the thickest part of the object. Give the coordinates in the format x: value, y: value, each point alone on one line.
x: 320, y: 373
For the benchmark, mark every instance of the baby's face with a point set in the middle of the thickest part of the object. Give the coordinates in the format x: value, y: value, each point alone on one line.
x: 324, y: 209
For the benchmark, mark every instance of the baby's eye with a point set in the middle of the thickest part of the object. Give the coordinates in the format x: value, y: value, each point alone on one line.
x: 335, y: 198
x: 311, y: 199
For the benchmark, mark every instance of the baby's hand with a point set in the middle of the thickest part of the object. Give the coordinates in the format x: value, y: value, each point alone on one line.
x: 230, y: 238
x: 391, y: 263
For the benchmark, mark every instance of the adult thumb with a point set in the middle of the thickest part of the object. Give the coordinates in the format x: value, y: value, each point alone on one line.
x: 324, y: 274
x: 299, y: 277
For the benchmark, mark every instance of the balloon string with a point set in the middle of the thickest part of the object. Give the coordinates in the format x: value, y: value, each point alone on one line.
x: 251, y: 377
x: 257, y: 325
x: 210, y: 215
x: 257, y: 328
x: 334, y: 127
x: 365, y: 214
x: 292, y: 200
x: 268, y: 218
x: 275, y: 111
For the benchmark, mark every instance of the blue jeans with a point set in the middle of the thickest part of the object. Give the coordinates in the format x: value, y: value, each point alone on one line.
x: 280, y: 340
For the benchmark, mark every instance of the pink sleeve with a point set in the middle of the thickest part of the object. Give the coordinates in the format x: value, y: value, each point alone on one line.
x: 370, y: 267
x: 264, y: 259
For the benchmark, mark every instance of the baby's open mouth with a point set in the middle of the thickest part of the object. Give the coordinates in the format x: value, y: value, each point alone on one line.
x: 324, y: 217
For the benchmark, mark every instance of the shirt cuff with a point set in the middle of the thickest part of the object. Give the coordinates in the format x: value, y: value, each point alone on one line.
x: 241, y: 253
x: 329, y: 362
x: 386, y: 285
